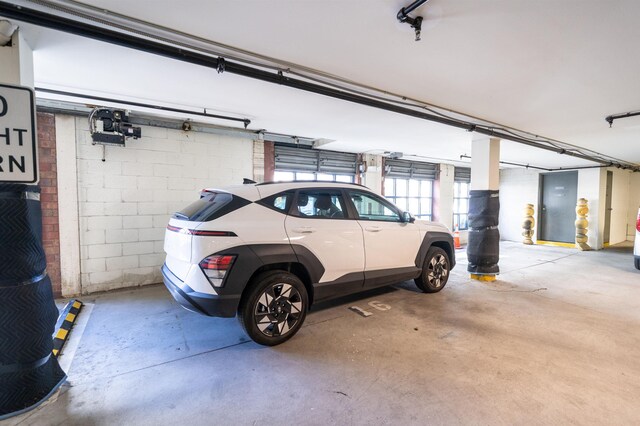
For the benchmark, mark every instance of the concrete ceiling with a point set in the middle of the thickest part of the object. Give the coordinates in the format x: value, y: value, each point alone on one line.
x: 554, y: 68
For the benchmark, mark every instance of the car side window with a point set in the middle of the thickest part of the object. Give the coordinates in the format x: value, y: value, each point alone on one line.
x: 323, y: 204
x: 279, y: 202
x: 370, y: 207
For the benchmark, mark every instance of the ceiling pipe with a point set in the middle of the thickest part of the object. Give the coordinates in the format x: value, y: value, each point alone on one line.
x: 36, y: 17
x: 245, y: 121
x: 413, y: 6
x: 416, y: 23
x: 610, y: 118
x: 546, y: 169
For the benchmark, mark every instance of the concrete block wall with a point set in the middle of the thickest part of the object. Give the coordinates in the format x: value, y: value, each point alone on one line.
x: 125, y: 202
x: 258, y: 161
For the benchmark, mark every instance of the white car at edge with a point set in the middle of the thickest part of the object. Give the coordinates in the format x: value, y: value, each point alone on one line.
x: 636, y: 246
x: 268, y: 251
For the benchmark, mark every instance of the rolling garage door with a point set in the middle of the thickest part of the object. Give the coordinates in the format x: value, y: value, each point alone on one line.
x: 302, y: 159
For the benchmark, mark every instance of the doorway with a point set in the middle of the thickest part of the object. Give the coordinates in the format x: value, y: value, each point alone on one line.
x: 558, y: 196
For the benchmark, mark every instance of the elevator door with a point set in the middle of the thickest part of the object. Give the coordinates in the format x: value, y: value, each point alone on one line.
x: 558, y: 204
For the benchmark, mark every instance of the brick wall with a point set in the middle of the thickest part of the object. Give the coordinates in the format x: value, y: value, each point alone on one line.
x: 49, y: 196
x: 125, y: 202
x: 269, y: 155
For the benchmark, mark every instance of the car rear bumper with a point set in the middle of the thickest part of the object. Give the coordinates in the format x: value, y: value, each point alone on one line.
x: 202, y: 303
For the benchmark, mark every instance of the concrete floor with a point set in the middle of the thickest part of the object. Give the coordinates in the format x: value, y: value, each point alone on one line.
x: 555, y: 340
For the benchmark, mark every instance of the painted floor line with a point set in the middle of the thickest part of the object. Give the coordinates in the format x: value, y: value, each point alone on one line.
x: 70, y: 348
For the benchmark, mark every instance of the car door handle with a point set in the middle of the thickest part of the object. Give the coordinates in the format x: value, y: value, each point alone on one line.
x: 373, y: 229
x: 304, y: 230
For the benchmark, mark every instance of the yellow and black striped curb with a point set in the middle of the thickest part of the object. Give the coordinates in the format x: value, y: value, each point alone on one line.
x: 65, y: 322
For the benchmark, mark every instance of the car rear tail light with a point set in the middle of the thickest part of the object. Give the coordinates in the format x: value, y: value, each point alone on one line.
x: 200, y: 233
x: 638, y: 222
x: 215, y: 267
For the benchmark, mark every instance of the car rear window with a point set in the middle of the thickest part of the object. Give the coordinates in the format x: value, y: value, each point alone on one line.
x: 210, y: 206
x: 278, y: 202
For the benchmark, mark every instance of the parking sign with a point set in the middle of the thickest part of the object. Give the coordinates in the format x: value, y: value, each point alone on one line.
x: 18, y: 147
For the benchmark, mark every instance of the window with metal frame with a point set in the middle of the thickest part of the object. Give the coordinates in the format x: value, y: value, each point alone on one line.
x: 409, y: 185
x: 371, y: 208
x: 320, y: 204
x: 298, y: 163
x: 461, y: 185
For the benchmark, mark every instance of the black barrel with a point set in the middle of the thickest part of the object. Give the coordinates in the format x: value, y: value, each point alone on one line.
x: 28, y: 371
x: 483, y: 248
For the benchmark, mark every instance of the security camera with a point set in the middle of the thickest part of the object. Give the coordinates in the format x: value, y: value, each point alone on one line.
x: 111, y: 126
x: 6, y: 32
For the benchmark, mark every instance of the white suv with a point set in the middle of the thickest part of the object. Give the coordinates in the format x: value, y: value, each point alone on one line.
x: 268, y: 251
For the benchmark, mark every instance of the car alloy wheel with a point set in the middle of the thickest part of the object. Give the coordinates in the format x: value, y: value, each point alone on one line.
x: 278, y: 310
x: 437, y: 271
x: 274, y: 307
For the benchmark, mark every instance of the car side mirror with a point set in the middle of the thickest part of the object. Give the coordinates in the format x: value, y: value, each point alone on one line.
x: 407, y: 218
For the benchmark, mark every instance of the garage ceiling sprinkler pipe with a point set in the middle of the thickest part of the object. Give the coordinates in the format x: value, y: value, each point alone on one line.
x: 245, y: 121
x: 100, y: 33
x: 546, y: 169
x: 416, y: 23
x: 610, y: 118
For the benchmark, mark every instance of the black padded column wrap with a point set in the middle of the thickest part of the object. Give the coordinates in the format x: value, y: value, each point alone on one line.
x: 483, y: 249
x: 28, y: 372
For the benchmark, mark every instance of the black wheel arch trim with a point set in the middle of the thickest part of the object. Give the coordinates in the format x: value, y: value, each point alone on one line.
x: 443, y: 240
x: 252, y: 257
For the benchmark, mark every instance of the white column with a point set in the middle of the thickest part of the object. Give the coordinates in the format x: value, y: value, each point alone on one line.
x: 443, y: 195
x: 592, y: 185
x: 485, y: 176
x: 68, y: 205
x: 485, y: 163
x: 16, y: 62
x: 372, y: 178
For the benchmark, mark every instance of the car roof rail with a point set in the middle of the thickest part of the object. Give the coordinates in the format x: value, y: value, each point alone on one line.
x: 309, y: 181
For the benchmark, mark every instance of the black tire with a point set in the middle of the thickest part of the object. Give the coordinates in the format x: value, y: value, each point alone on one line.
x: 637, y: 262
x: 273, y: 308
x: 435, y: 271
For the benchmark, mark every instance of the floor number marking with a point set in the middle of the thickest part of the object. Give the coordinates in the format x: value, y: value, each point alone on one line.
x: 374, y: 304
x: 379, y: 305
